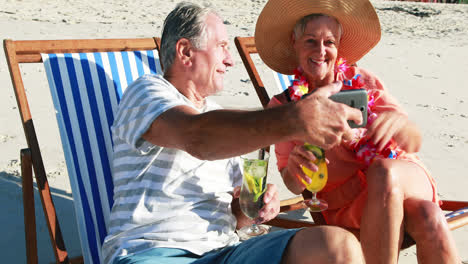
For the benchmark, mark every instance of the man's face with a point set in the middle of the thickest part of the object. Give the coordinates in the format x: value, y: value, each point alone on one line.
x: 210, y: 62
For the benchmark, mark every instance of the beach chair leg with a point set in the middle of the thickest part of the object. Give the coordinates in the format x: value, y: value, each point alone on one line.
x: 28, y: 207
x: 58, y: 245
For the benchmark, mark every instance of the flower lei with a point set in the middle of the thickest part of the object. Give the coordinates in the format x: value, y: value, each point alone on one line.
x: 365, y: 150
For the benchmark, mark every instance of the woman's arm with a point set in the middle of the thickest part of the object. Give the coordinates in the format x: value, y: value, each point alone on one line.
x: 396, y: 125
x: 292, y: 182
x: 391, y: 121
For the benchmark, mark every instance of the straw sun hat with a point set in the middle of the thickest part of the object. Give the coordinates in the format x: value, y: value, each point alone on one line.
x: 359, y: 21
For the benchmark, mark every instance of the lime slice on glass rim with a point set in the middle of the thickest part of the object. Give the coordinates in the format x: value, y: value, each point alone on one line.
x: 318, y: 152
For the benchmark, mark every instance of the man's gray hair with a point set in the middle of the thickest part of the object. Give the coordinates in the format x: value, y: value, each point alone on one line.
x: 187, y: 20
x: 301, y: 24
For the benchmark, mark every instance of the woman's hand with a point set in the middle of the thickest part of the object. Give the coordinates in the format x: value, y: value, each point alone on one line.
x: 298, y: 157
x: 393, y: 124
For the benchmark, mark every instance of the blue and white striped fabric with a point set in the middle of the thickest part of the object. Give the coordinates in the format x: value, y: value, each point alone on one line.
x: 282, y: 81
x: 456, y: 213
x: 86, y: 89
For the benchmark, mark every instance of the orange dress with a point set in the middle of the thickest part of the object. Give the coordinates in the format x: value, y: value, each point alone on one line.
x: 346, y: 190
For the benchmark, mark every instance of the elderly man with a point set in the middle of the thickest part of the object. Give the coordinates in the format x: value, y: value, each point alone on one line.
x: 174, y: 178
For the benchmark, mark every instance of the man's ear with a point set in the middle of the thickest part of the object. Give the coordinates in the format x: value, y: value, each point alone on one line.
x: 184, y: 51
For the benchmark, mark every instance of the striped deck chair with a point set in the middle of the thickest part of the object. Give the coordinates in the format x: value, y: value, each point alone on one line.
x: 86, y: 79
x: 282, y: 81
x: 457, y: 215
x: 86, y: 89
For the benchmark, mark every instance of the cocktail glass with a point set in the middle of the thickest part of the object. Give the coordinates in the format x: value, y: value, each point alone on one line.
x: 318, y: 179
x: 254, y: 172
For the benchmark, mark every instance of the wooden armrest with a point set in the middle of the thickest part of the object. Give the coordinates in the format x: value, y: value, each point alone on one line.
x: 453, y: 205
x: 292, y: 204
x: 289, y: 223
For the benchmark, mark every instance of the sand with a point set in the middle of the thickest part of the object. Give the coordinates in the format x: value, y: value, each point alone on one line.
x: 422, y: 58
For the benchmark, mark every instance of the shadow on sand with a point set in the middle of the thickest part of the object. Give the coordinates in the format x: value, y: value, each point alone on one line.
x: 12, y: 242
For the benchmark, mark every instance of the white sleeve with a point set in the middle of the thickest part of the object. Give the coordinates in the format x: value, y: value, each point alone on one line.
x: 142, y: 102
x: 235, y: 172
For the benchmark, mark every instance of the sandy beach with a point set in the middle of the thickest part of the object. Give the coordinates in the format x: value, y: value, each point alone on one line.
x: 422, y: 59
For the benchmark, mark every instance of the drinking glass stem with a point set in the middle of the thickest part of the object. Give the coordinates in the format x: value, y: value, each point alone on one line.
x: 254, y: 228
x: 314, y: 198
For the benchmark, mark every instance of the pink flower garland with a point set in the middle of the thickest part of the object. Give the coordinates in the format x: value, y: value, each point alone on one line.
x: 365, y: 150
x: 299, y: 86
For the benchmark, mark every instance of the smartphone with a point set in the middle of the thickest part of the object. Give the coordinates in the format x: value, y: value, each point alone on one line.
x: 356, y: 98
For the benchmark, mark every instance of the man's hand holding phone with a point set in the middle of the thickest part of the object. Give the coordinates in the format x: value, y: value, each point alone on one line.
x: 356, y: 98
x: 326, y: 120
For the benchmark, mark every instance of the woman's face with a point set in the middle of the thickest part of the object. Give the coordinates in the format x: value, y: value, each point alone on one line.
x: 317, y: 49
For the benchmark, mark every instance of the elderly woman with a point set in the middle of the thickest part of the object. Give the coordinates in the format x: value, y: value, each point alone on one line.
x: 382, y: 195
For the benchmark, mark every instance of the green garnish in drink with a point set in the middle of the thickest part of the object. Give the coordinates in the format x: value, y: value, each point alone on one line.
x: 254, y: 173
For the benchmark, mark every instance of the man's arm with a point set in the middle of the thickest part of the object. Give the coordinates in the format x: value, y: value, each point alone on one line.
x: 226, y: 133
x: 217, y: 134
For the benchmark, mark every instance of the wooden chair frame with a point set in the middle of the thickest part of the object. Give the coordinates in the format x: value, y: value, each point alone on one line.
x: 29, y: 51
x: 246, y: 47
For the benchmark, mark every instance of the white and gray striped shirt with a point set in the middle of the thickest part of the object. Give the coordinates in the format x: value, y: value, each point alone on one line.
x: 165, y: 197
